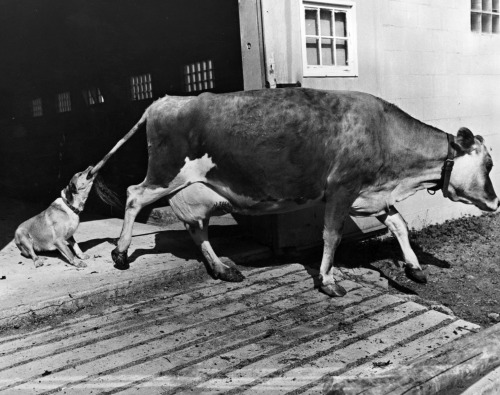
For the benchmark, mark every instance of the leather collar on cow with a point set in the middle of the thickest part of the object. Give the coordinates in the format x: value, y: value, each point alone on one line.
x: 444, y: 182
x: 74, y: 209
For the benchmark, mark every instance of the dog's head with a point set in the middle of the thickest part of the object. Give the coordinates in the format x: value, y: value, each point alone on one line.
x: 78, y: 189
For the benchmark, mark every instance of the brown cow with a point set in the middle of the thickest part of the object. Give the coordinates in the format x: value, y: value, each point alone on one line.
x: 279, y: 150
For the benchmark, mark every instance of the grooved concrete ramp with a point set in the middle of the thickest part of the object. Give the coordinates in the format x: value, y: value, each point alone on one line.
x: 272, y: 334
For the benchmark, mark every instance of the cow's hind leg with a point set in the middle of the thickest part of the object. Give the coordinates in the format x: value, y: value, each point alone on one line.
x: 397, y: 225
x: 138, y: 196
x: 219, y: 269
x: 194, y: 205
x: 336, y: 211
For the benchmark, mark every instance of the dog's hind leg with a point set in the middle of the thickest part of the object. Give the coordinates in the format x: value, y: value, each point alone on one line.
x: 76, y: 248
x: 62, y: 246
x: 25, y: 245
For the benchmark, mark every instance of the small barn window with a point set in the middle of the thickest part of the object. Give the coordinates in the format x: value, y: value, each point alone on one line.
x: 141, y: 87
x: 329, y: 38
x: 485, y: 16
x: 63, y: 102
x: 36, y: 107
x: 199, y: 76
x: 93, y: 96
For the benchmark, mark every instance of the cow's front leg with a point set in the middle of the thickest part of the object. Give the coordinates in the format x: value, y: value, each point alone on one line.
x: 336, y: 211
x: 397, y: 225
x: 219, y: 269
x: 138, y: 196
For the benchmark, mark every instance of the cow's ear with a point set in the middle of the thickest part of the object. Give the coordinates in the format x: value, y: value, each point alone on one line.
x: 464, y: 141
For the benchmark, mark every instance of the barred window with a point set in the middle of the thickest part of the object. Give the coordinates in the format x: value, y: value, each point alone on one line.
x: 199, y: 76
x: 36, y: 107
x: 485, y: 16
x: 141, y: 87
x: 93, y: 96
x: 63, y: 102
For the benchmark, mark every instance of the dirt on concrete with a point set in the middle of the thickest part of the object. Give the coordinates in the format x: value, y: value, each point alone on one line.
x: 461, y: 259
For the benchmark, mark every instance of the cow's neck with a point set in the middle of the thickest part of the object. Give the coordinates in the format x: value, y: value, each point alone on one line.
x: 423, y: 154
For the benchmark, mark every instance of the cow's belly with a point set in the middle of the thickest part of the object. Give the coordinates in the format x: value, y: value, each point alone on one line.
x: 253, y: 206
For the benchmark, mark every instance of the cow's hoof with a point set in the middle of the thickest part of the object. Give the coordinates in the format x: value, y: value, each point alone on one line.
x: 230, y: 274
x: 416, y: 275
x: 333, y: 289
x: 120, y: 259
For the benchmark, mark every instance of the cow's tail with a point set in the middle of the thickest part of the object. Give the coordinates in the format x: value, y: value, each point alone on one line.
x: 108, y: 196
x: 122, y: 141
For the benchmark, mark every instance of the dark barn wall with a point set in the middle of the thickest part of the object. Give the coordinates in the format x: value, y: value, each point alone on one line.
x: 53, y: 46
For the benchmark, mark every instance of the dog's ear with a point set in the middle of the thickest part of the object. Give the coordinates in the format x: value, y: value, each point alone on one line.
x: 72, y: 188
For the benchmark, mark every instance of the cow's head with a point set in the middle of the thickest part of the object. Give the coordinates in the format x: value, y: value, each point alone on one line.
x: 470, y: 181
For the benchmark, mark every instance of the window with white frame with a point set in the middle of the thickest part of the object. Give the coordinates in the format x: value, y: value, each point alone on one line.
x: 63, y: 102
x: 93, y: 96
x: 329, y: 38
x: 36, y: 107
x: 485, y: 16
x: 199, y: 76
x: 141, y: 87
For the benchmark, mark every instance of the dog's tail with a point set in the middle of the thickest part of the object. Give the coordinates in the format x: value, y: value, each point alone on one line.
x: 125, y: 138
x: 107, y: 195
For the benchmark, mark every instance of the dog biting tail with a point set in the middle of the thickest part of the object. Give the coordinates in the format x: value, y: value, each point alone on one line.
x: 122, y: 141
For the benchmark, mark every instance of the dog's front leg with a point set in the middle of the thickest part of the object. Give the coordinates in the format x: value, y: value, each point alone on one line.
x: 78, y: 252
x: 62, y: 246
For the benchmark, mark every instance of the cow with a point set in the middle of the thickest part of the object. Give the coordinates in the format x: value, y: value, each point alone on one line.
x: 279, y: 150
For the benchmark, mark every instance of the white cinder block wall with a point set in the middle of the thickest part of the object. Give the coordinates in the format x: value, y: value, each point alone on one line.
x: 422, y: 56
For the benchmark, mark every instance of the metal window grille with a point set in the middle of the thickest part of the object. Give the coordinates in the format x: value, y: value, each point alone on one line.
x: 485, y: 16
x: 93, y: 96
x: 36, y: 107
x: 64, y: 102
x: 141, y: 87
x: 199, y: 76
x: 327, y: 39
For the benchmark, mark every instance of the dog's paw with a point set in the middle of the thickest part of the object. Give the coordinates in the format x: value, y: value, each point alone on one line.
x: 84, y: 257
x: 38, y: 262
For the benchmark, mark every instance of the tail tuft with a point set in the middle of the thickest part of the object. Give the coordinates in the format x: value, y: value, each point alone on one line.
x: 107, y: 195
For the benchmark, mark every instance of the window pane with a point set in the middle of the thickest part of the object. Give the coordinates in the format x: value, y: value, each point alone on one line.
x: 312, y: 49
x: 475, y: 21
x: 486, y: 5
x: 326, y: 22
x: 327, y: 52
x: 311, y: 22
x: 340, y: 24
x: 496, y: 27
x: 341, y: 49
x: 495, y: 6
x: 475, y: 5
x: 486, y: 23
